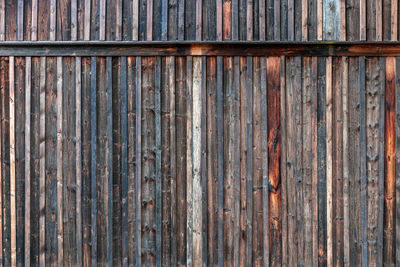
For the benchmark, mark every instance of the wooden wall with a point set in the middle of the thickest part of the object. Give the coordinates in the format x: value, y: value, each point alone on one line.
x: 238, y: 160
x: 200, y: 160
x: 277, y: 20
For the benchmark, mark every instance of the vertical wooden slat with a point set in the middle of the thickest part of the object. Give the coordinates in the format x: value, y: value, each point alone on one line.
x: 381, y: 164
x: 12, y: 163
x: 290, y: 20
x: 390, y: 146
x: 394, y: 20
x: 234, y: 20
x: 264, y: 156
x: 249, y: 20
x: 149, y: 22
x: 171, y: 87
x: 277, y: 20
x: 273, y: 202
x: 219, y: 20
x: 42, y: 152
x: 204, y: 166
x: 189, y: 162
x: 379, y: 20
x: 78, y: 147
x: 52, y: 29
x: 102, y: 20
x: 235, y: 155
x: 93, y: 127
x: 397, y: 167
x: 118, y: 20
x: 181, y: 19
x: 261, y: 20
x: 20, y: 20
x: 28, y: 160
x: 157, y: 108
x: 319, y: 19
x: 2, y: 20
x: 346, y: 211
x: 342, y: 18
x: 363, y: 20
x: 291, y: 162
x: 109, y: 159
x: 74, y: 20
x: 86, y: 35
x: 372, y: 121
x: 60, y: 231
x: 199, y: 12
x: 164, y: 19
x: 363, y: 163
x: 297, y: 164
x: 314, y: 158
x: 307, y: 159
x: 180, y: 103
x: 196, y: 157
x: 304, y: 20
x: 283, y: 163
x: 321, y: 161
x: 2, y: 112
x: 138, y: 160
x: 338, y: 161
x: 220, y: 160
x: 124, y: 163
x: 34, y: 23
x: 135, y: 20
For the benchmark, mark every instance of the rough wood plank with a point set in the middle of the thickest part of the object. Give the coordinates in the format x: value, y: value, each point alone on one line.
x: 149, y: 22
x: 86, y: 35
x: 42, y: 155
x: 28, y: 73
x: 220, y: 159
x: 342, y: 17
x: 20, y: 20
x: 372, y: 123
x: 124, y: 161
x: 13, y: 203
x: 53, y: 12
x: 321, y: 158
x: 93, y: 127
x: 381, y: 175
x: 109, y: 160
x: 249, y: 20
x: 363, y: 20
x: 196, y: 157
x: 102, y: 20
x: 199, y: 21
x: 59, y: 104
x: 261, y: 20
x: 314, y: 158
x: 379, y: 20
x: 181, y: 19
x: 283, y: 162
x: 346, y: 211
x: 118, y: 20
x: 394, y: 20
x: 272, y: 162
x: 307, y: 159
x: 304, y: 20
x: 397, y: 214
x: 157, y: 108
x: 264, y: 161
x: 229, y: 18
x: 2, y: 20
x: 181, y: 147
x: 189, y: 161
x: 390, y: 150
x: 138, y: 160
x: 319, y: 19
x: 78, y: 154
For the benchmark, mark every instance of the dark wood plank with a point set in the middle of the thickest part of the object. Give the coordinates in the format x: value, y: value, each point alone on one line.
x: 93, y: 131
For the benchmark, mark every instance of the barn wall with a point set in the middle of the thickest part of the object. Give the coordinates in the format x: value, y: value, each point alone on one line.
x: 115, y: 154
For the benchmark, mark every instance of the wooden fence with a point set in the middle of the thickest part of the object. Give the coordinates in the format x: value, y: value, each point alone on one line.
x: 218, y: 135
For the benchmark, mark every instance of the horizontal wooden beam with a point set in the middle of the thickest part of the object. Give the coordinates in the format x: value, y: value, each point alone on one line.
x: 186, y: 48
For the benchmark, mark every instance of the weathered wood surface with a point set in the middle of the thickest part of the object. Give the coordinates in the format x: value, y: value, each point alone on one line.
x: 140, y: 20
x: 199, y: 160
